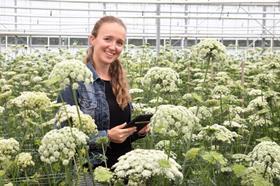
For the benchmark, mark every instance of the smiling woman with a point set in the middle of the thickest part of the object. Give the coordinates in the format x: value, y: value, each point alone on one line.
x: 107, y: 98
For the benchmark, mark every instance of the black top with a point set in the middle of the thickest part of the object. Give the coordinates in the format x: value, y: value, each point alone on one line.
x: 117, y: 117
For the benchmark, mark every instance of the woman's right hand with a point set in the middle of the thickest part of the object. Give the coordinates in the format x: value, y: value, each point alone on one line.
x: 119, y: 134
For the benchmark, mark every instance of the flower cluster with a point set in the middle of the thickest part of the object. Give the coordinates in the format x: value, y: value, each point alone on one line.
x: 135, y: 90
x: 24, y: 160
x: 69, y: 113
x: 260, y: 112
x: 257, y: 104
x: 217, y: 133
x: 162, y: 79
x: 142, y: 108
x: 233, y: 125
x: 171, y: 120
x: 61, y: 144
x: 209, y: 48
x: 142, y: 164
x: 220, y: 91
x: 202, y: 112
x: 31, y: 100
x: 70, y: 72
x: 255, y: 92
x: 8, y: 148
x: 2, y: 109
x: 266, y: 79
x: 102, y: 175
x: 266, y: 158
x: 260, y: 120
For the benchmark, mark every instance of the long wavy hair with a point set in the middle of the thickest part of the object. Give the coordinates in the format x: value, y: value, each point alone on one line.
x: 116, y: 70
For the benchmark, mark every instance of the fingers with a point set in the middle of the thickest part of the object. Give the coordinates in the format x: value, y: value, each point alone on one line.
x: 144, y: 130
x: 119, y: 134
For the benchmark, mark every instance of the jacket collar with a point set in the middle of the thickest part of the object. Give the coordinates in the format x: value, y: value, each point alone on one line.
x: 92, y: 69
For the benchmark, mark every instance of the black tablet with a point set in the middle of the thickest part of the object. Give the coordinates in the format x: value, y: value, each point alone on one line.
x: 140, y: 121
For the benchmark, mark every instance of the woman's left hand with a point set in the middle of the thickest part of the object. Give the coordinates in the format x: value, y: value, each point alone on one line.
x: 144, y: 130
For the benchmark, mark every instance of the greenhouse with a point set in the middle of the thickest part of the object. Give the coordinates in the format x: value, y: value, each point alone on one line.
x: 140, y: 93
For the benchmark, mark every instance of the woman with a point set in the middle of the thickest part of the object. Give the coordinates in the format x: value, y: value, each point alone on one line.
x: 107, y: 99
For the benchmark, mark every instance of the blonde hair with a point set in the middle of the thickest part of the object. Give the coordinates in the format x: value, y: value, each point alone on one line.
x: 116, y: 70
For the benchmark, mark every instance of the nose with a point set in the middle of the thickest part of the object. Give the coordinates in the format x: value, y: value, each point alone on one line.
x: 113, y: 46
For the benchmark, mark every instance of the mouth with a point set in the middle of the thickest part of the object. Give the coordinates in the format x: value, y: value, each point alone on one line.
x: 110, y: 54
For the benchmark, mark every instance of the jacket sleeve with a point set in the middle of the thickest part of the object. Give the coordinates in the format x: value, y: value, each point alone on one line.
x: 66, y: 96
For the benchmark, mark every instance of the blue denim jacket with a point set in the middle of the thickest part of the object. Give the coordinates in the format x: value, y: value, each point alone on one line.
x: 92, y: 100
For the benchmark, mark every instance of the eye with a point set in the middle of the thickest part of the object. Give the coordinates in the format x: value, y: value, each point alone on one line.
x: 120, y: 43
x: 107, y: 39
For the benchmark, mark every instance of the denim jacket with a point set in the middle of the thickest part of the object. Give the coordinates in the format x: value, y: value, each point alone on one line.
x: 92, y: 101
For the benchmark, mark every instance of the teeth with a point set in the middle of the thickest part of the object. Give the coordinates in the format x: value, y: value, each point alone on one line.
x: 110, y: 54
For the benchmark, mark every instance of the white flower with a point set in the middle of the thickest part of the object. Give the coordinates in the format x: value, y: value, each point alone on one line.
x: 202, y: 112
x: 37, y: 79
x: 24, y: 160
x: 171, y: 120
x: 257, y: 104
x: 209, y: 48
x: 220, y: 91
x: 8, y: 148
x: 31, y: 100
x: 161, y: 79
x: 2, y: 109
x: 135, y: 90
x: 217, y: 133
x: 69, y: 72
x: 266, y: 158
x: 84, y: 122
x: 142, y: 164
x: 102, y: 175
x: 72, y: 138
x: 233, y: 124
x: 255, y: 92
x: 65, y: 162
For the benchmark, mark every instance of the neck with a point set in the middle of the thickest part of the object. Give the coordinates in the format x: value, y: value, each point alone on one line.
x: 102, y: 70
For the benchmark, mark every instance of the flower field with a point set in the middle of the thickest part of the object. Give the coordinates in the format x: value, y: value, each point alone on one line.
x: 216, y: 118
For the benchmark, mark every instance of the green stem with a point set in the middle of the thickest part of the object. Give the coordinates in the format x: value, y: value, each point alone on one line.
x: 104, y: 155
x: 68, y: 118
x: 76, y: 104
x: 27, y: 178
x: 250, y: 136
x: 90, y: 167
x: 209, y: 59
x: 221, y: 108
x: 67, y: 175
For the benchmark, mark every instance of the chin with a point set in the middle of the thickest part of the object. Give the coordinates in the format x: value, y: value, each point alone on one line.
x: 109, y: 61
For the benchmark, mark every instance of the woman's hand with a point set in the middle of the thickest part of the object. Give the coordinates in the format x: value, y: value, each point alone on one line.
x: 119, y: 134
x: 144, y: 130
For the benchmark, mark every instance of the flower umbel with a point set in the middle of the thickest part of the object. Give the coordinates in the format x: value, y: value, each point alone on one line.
x: 61, y: 144
x: 70, y: 72
x: 141, y: 164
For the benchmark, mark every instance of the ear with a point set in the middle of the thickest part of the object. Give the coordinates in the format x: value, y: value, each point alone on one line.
x: 91, y: 40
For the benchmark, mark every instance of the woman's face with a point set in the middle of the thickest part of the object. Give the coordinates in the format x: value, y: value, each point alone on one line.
x: 109, y: 43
